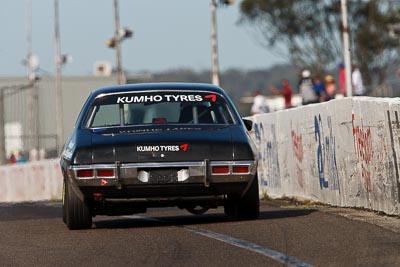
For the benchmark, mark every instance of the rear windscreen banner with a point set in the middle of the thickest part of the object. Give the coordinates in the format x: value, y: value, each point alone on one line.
x: 154, y: 97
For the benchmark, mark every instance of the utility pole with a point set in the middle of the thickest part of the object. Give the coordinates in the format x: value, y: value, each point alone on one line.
x: 117, y: 39
x: 214, y: 48
x: 115, y: 42
x: 29, y: 36
x: 346, y: 48
x: 58, y: 62
x: 33, y: 100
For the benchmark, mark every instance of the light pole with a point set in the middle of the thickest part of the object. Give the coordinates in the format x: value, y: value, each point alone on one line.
x: 214, y: 44
x: 120, y: 74
x: 214, y: 39
x: 58, y: 62
x: 115, y: 42
x: 346, y: 48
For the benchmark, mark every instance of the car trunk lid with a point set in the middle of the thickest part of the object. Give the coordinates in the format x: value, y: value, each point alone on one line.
x: 161, y: 144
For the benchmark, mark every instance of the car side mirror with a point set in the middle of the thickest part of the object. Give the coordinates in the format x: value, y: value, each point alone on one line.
x: 248, y: 124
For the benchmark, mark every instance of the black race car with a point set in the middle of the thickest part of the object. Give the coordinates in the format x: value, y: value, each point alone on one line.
x: 155, y: 145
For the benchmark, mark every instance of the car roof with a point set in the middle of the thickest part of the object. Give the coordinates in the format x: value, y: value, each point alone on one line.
x: 158, y: 86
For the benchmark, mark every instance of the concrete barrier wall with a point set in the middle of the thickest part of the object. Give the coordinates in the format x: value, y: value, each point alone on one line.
x: 33, y: 181
x: 344, y: 152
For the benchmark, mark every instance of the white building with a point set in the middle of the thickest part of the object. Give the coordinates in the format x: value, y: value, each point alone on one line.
x: 30, y: 113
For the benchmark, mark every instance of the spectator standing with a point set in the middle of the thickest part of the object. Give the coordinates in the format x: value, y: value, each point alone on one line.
x: 306, y: 88
x: 21, y: 158
x: 12, y: 158
x: 286, y: 92
x: 319, y: 88
x: 42, y: 154
x: 342, y: 79
x: 259, y: 104
x: 356, y: 79
x: 330, y: 87
x: 33, y: 154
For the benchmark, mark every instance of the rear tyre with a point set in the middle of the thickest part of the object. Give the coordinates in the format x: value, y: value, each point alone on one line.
x: 245, y: 207
x: 77, y: 212
x: 229, y: 206
x: 64, y: 212
x: 197, y: 210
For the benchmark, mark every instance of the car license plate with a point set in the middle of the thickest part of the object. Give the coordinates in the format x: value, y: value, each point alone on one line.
x: 163, y: 176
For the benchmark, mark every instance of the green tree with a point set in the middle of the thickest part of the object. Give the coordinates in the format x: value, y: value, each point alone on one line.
x: 312, y: 31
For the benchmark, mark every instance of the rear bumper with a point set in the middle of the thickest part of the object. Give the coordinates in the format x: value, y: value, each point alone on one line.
x: 193, y: 179
x: 138, y: 173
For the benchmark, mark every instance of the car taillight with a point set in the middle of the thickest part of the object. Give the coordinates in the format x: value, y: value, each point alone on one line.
x: 240, y: 169
x: 220, y: 169
x: 84, y: 173
x: 105, y: 173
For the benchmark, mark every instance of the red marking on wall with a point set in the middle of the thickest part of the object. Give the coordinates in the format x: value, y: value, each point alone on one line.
x: 184, y: 147
x: 363, y: 149
x: 297, y: 145
x: 212, y: 97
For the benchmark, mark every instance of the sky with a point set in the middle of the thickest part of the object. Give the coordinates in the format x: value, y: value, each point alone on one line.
x: 168, y: 34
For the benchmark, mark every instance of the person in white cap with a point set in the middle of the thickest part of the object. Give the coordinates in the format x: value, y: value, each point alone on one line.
x: 306, y: 89
x: 259, y: 104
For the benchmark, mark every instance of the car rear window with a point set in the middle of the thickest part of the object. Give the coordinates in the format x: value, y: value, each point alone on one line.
x: 170, y: 107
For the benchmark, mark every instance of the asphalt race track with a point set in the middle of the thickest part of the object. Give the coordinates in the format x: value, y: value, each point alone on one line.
x: 33, y: 234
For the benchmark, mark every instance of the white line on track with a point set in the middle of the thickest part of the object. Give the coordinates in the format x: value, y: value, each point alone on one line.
x: 272, y: 254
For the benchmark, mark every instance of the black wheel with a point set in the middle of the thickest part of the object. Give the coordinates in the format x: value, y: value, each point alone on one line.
x: 64, y: 212
x: 245, y: 207
x: 77, y: 212
x: 197, y: 210
x: 230, y: 205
